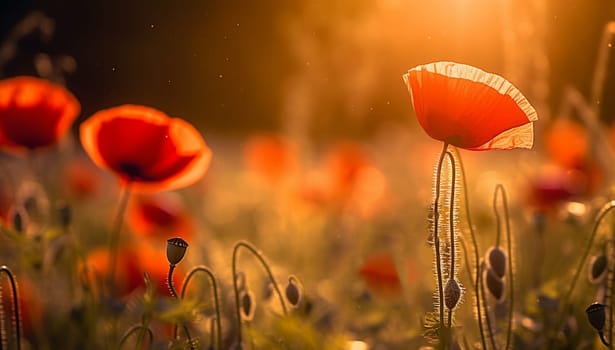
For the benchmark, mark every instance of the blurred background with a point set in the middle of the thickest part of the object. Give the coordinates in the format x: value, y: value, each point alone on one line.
x: 314, y: 69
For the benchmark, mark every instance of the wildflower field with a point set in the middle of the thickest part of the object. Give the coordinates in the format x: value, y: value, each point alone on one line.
x: 483, y: 221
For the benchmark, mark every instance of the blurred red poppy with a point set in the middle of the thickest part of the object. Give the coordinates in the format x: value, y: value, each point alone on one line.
x: 162, y: 215
x: 470, y: 108
x: 567, y: 143
x: 270, y: 156
x: 34, y: 113
x: 380, y: 274
x: 82, y: 179
x: 146, y: 147
x: 131, y: 264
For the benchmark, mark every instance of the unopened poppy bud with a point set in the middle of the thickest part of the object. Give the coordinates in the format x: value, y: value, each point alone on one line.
x: 597, y: 268
x: 293, y: 291
x: 176, y: 249
x: 596, y: 315
x: 497, y: 261
x: 495, y: 285
x: 452, y: 293
x: 247, y: 303
x: 65, y: 214
x: 19, y: 221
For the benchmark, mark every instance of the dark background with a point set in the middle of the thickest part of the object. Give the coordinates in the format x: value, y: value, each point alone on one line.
x: 228, y: 65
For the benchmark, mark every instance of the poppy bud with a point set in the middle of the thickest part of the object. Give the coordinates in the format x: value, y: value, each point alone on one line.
x: 247, y: 303
x: 293, y: 291
x: 176, y: 248
x: 597, y: 268
x: 19, y: 219
x: 596, y: 315
x: 497, y: 261
x: 65, y: 214
x: 495, y: 285
x: 452, y: 293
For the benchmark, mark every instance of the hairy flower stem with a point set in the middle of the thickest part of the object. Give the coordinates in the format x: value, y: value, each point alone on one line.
x: 559, y: 321
x: 436, y: 237
x: 114, y: 240
x: 475, y: 246
x: 16, y: 315
x: 265, y: 265
x: 174, y: 295
x: 215, y: 297
x: 451, y: 223
x: 500, y: 189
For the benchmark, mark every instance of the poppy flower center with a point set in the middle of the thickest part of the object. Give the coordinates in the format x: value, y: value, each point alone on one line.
x: 133, y: 171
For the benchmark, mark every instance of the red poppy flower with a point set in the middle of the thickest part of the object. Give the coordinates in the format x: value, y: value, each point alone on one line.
x: 381, y: 275
x: 131, y: 264
x: 270, y: 156
x: 470, y: 108
x: 567, y: 143
x: 162, y: 215
x: 146, y: 147
x: 34, y: 113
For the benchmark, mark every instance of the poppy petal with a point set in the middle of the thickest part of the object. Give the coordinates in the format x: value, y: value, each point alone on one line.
x: 470, y: 108
x: 146, y: 147
x: 34, y: 112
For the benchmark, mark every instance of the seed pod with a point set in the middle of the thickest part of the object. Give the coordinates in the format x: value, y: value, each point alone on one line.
x: 176, y: 248
x: 452, y: 293
x: 597, y: 268
x: 596, y: 315
x: 495, y: 285
x: 293, y: 291
x: 247, y: 303
x: 497, y: 261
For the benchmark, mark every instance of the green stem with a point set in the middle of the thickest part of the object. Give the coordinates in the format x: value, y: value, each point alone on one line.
x: 265, y: 265
x: 436, y: 237
x: 15, y: 296
x: 134, y: 329
x: 174, y: 295
x: 115, y: 235
x: 500, y: 189
x: 599, y: 217
x: 214, y: 286
x: 451, y: 223
x: 487, y: 317
x: 475, y: 245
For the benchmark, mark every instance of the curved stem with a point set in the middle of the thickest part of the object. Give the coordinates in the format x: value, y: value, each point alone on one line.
x: 214, y: 286
x: 500, y: 189
x: 15, y: 296
x: 599, y: 217
x: 475, y: 246
x: 174, y: 295
x: 265, y: 265
x: 115, y: 235
x: 436, y: 237
x: 487, y: 317
x: 134, y: 329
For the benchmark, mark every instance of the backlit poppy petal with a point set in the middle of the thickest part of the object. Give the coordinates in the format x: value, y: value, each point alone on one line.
x: 470, y: 108
x: 146, y: 147
x: 34, y: 113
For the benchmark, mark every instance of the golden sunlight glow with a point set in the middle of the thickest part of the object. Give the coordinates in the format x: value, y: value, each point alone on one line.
x: 356, y: 345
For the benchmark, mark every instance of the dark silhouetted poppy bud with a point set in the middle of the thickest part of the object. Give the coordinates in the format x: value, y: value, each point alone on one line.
x: 597, y: 268
x: 495, y: 285
x: 176, y: 249
x: 596, y: 314
x: 65, y: 214
x: 19, y: 219
x: 248, y: 304
x: 293, y: 291
x: 497, y: 261
x: 452, y: 293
